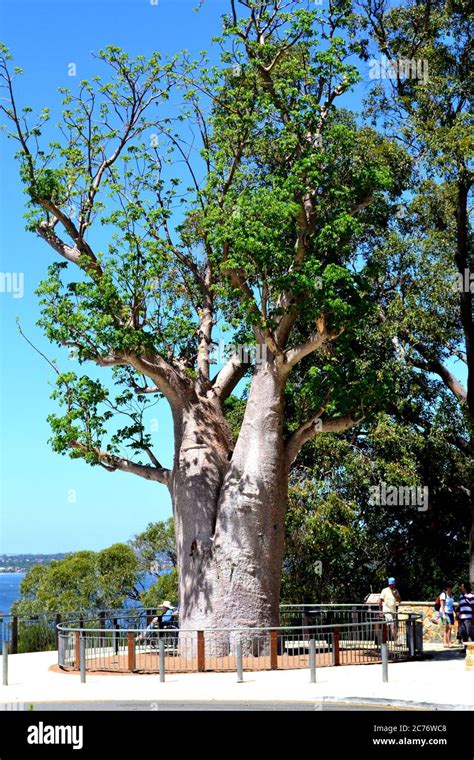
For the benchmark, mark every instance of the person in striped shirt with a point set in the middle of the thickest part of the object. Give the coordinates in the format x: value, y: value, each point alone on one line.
x: 465, y: 613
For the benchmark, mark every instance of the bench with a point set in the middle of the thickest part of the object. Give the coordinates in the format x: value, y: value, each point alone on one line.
x: 292, y: 645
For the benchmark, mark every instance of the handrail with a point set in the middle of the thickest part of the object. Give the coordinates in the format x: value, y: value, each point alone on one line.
x: 329, y: 605
x: 129, y: 611
x: 377, y: 619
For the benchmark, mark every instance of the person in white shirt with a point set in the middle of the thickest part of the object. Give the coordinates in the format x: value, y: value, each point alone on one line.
x: 389, y: 601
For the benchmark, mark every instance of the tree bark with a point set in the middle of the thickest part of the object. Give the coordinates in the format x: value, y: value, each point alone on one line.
x: 250, y: 525
x: 230, y: 509
x: 202, y: 446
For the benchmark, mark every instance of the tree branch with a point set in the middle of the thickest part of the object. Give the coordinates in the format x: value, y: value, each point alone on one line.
x: 166, y: 378
x: 319, y: 338
x: 363, y: 203
x: 112, y: 463
x: 205, y: 337
x: 317, y: 424
x: 438, y: 368
x: 228, y: 377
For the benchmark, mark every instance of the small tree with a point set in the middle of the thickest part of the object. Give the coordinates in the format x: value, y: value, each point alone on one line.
x: 84, y: 580
x: 155, y: 549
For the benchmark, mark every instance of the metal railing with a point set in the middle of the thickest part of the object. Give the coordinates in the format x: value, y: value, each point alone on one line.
x: 40, y: 632
x: 120, y: 648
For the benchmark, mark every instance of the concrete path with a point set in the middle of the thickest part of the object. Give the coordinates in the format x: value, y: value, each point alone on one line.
x: 440, y: 682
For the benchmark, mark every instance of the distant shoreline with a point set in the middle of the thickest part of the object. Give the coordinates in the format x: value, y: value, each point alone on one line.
x: 13, y: 572
x: 12, y: 564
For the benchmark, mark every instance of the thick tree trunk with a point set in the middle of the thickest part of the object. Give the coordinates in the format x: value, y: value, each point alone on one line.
x: 230, y: 514
x: 250, y: 526
x: 202, y: 448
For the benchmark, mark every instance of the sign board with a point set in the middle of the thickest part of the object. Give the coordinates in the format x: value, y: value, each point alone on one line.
x: 372, y: 599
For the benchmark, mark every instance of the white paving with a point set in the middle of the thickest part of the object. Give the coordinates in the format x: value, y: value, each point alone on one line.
x: 440, y: 682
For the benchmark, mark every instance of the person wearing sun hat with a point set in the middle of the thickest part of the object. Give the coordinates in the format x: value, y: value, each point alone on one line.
x: 389, y: 601
x: 167, y: 614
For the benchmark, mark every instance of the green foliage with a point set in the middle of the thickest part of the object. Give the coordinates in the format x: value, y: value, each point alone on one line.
x: 235, y: 410
x: 340, y: 546
x: 89, y: 580
x: 324, y: 542
x: 166, y: 587
x: 36, y: 637
x: 48, y: 186
x: 431, y: 244
x: 155, y: 547
x: 83, y: 580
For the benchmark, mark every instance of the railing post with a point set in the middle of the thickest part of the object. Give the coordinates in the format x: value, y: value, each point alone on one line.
x: 274, y: 650
x: 102, y: 624
x: 201, y: 655
x: 411, y: 637
x: 82, y: 651
x: 238, y: 654
x: 161, y: 645
x: 336, y: 646
x: 61, y: 649
x: 384, y: 653
x: 77, y: 658
x: 312, y: 660
x: 5, y: 662
x: 305, y: 622
x: 115, y: 636
x: 15, y: 634
x: 56, y: 632
x: 131, y: 651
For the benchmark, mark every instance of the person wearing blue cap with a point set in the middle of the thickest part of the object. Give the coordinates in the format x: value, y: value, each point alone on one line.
x: 389, y: 601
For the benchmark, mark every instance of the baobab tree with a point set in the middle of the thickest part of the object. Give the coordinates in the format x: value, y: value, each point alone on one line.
x: 254, y: 207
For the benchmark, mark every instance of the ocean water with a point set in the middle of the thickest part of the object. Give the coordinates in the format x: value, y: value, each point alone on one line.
x: 9, y: 589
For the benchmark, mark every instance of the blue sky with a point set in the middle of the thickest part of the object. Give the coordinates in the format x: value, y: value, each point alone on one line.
x: 37, y: 509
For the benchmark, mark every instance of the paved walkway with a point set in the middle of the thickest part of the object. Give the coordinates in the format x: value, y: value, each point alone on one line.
x: 440, y: 682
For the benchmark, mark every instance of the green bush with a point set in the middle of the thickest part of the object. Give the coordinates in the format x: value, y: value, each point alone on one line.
x: 36, y: 637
